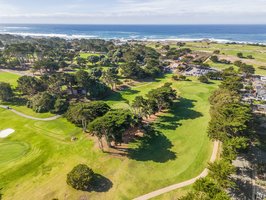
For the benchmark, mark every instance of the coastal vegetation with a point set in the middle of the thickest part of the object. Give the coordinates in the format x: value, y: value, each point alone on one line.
x: 119, y: 109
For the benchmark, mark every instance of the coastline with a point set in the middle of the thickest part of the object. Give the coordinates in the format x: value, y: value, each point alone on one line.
x: 145, y: 39
x: 241, y: 34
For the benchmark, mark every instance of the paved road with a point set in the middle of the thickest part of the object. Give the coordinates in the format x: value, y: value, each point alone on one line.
x: 30, y: 117
x: 182, y: 184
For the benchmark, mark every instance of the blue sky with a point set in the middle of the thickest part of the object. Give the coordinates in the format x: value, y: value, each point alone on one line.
x: 134, y: 11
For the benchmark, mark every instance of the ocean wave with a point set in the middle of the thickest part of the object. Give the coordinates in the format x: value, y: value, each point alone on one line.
x: 16, y: 27
x: 66, y: 36
x: 159, y: 38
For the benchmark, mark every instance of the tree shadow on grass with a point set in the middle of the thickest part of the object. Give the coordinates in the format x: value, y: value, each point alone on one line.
x: 99, y: 183
x: 154, y: 146
x: 115, y: 96
x: 180, y: 110
x: 17, y: 101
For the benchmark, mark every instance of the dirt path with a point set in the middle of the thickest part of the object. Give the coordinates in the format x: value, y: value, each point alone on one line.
x: 20, y: 73
x: 182, y: 184
x: 30, y: 117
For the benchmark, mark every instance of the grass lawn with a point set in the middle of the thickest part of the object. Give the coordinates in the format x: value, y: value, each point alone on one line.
x: 40, y: 154
x: 12, y: 79
x: 259, y: 53
x: 9, y: 78
x: 86, y: 55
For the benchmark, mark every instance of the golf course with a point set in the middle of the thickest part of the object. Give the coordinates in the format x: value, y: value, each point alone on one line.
x: 36, y: 158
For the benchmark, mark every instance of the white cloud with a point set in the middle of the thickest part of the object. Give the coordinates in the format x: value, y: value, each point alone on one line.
x: 130, y: 10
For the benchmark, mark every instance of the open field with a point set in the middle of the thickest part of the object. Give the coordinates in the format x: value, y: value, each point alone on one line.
x: 41, y: 154
x: 9, y: 78
x: 231, y: 50
x: 86, y: 55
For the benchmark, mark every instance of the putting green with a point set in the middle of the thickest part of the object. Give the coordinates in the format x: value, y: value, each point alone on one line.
x: 11, y: 151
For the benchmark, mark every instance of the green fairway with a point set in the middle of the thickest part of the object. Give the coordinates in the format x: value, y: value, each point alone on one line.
x: 11, y: 151
x: 180, y: 151
x: 86, y: 55
x: 9, y: 78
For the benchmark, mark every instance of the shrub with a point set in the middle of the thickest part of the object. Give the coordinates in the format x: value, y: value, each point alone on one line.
x: 203, y: 79
x: 240, y: 55
x: 42, y: 102
x: 80, y: 177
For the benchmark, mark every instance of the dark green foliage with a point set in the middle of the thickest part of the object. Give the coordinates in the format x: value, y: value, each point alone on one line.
x: 42, y: 102
x: 233, y: 83
x: 93, y: 59
x: 214, y: 59
x: 47, y: 64
x: 247, y: 69
x: 83, y: 113
x: 93, y: 87
x: 30, y: 85
x: 60, y: 106
x: 132, y: 70
x: 220, y: 171
x: 96, y: 72
x: 140, y: 62
x: 176, y: 53
x: 240, y: 55
x: 229, y: 120
x: 6, y: 92
x: 214, y: 75
x: 82, y: 62
x: 232, y: 146
x: 210, y: 189
x: 80, y: 177
x: 216, y: 51
x: 112, y: 126
x: 110, y: 78
x: 203, y: 79
x: 162, y: 97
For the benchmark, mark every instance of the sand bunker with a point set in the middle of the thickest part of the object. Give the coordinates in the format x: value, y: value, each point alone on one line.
x: 6, y: 132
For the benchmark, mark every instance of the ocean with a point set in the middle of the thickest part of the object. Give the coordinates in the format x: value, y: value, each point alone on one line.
x: 219, y: 33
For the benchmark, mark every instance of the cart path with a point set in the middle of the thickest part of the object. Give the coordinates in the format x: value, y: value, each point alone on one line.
x: 185, y: 183
x: 30, y: 117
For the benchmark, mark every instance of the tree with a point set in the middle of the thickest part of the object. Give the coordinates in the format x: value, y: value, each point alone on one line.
x: 229, y: 120
x: 6, y: 92
x: 210, y: 188
x: 231, y: 146
x: 83, y: 80
x: 93, y: 59
x: 112, y: 126
x: 240, y: 55
x: 132, y: 70
x: 82, y: 62
x: 60, y: 106
x: 69, y: 80
x: 233, y: 83
x: 141, y: 106
x: 110, y: 78
x: 80, y: 177
x: 203, y: 79
x: 83, y: 113
x: 238, y: 63
x: 42, y: 102
x: 221, y: 171
x: 162, y: 97
x: 216, y: 52
x: 30, y: 85
x: 214, y: 59
x: 247, y: 69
